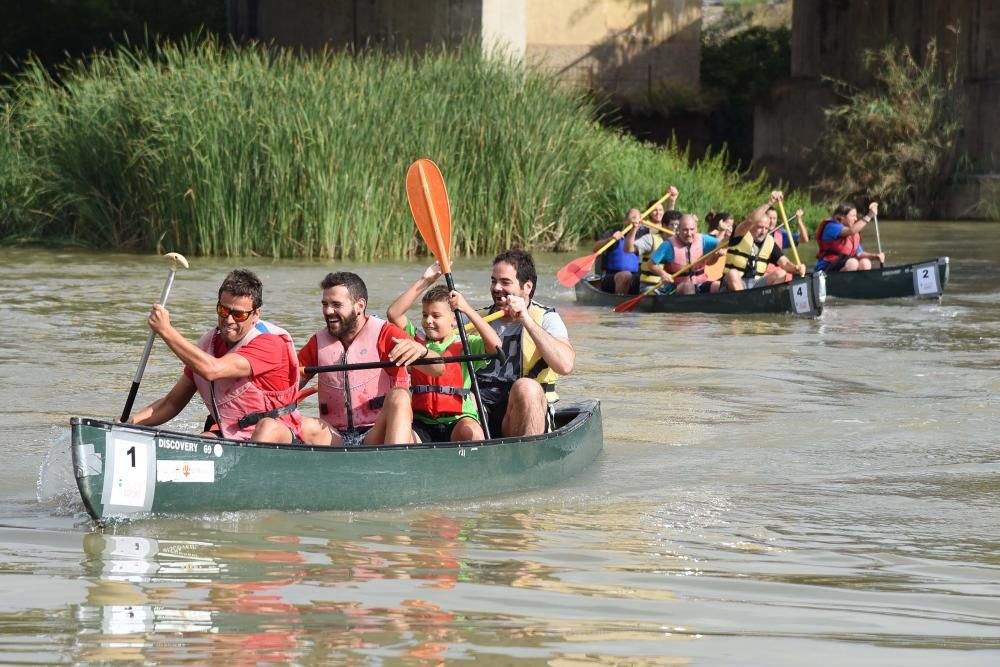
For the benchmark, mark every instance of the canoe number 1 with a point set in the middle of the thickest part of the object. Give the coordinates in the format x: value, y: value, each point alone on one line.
x: 131, y: 452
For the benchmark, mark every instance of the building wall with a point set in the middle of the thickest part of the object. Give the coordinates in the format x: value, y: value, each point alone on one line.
x: 829, y: 39
x: 624, y: 47
x: 629, y: 49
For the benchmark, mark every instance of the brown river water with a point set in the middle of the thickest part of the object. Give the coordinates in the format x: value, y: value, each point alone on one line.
x: 772, y: 491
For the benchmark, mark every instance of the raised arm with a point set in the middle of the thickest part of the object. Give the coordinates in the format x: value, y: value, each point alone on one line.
x: 226, y: 367
x: 396, y: 312
x: 754, y: 216
x: 803, y: 232
x: 634, y: 218
x: 674, y: 193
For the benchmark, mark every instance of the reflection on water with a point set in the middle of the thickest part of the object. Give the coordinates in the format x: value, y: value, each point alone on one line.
x: 772, y: 491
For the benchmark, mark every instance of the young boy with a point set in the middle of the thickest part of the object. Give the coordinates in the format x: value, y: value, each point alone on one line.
x: 444, y: 408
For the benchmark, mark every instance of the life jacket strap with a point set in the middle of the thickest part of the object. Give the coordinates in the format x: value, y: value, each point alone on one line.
x: 431, y: 389
x: 254, y: 417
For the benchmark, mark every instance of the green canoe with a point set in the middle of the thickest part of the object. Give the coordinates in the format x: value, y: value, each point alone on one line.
x: 923, y: 279
x: 123, y: 470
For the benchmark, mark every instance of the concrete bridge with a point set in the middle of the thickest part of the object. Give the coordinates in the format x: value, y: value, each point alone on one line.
x: 636, y: 50
x: 829, y: 38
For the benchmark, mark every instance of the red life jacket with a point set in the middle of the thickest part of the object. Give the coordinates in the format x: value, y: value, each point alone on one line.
x: 831, y: 251
x: 237, y: 401
x: 351, y: 399
x: 695, y: 274
x: 444, y: 395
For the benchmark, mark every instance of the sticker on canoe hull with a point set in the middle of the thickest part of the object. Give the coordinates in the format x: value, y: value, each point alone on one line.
x: 173, y: 470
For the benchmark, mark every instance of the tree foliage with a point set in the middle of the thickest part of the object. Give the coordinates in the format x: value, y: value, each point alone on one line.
x: 894, y: 142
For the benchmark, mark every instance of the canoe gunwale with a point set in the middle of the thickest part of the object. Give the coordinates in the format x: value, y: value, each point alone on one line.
x: 720, y: 303
x: 583, y: 409
x: 887, y: 282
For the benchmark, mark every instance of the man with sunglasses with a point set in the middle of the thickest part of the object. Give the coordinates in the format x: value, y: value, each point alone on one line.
x: 360, y: 407
x: 245, y: 369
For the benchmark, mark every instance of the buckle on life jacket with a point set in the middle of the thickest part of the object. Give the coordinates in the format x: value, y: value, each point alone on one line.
x: 376, y: 402
x: 254, y: 417
x: 431, y: 389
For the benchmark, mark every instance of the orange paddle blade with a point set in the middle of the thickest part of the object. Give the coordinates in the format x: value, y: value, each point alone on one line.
x: 715, y: 268
x: 576, y: 270
x: 628, y: 306
x: 428, y: 199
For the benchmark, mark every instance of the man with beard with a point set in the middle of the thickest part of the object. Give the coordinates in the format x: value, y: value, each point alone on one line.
x: 245, y: 369
x: 752, y: 249
x: 360, y: 407
x: 518, y: 388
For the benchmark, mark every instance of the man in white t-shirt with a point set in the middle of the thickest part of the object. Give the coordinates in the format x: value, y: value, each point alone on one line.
x: 518, y: 388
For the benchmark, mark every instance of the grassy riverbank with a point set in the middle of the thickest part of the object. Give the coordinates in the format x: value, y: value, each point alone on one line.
x: 233, y: 152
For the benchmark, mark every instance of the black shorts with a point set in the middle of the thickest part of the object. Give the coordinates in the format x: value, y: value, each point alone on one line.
x: 608, y: 283
x: 434, y: 432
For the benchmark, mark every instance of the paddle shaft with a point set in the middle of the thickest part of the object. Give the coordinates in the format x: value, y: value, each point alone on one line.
x: 442, y: 257
x: 461, y: 358
x: 651, y: 225
x: 791, y: 239
x: 878, y: 239
x: 134, y: 390
x: 626, y: 306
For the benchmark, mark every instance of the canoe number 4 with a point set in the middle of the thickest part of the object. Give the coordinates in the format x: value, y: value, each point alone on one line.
x: 800, y: 298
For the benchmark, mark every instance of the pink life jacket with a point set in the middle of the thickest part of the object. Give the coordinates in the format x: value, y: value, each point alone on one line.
x: 352, y: 399
x: 695, y: 274
x: 236, y: 399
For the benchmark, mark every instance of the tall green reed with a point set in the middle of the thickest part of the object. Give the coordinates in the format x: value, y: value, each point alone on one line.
x: 241, y: 151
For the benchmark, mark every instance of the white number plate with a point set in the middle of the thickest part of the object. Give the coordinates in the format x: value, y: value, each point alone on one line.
x: 800, y: 298
x: 129, y: 482
x: 925, y: 276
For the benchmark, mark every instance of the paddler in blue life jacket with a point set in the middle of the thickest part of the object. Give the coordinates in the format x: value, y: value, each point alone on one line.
x: 444, y: 409
x: 680, y: 250
x: 752, y: 248
x: 519, y: 388
x: 621, y: 269
x: 667, y: 218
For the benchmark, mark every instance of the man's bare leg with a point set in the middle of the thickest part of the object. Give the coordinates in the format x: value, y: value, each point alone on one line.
x: 270, y: 429
x: 734, y: 280
x: 526, y: 406
x: 394, y: 424
x: 318, y: 432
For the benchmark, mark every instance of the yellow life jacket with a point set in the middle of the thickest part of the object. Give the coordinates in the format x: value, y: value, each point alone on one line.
x: 646, y: 274
x: 745, y: 257
x: 523, y: 350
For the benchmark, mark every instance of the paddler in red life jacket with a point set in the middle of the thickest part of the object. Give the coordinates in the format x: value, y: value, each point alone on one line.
x: 751, y: 249
x: 518, y: 388
x: 684, y: 247
x: 245, y: 369
x: 360, y: 407
x: 444, y: 409
x: 839, y: 240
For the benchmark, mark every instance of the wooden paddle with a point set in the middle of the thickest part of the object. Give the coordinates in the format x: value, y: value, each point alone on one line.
x: 471, y: 328
x: 428, y: 198
x: 628, y: 306
x: 878, y: 239
x: 791, y: 239
x: 175, y: 259
x: 576, y: 270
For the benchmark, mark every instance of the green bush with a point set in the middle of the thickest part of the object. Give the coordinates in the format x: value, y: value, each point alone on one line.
x: 251, y: 150
x: 895, y: 142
